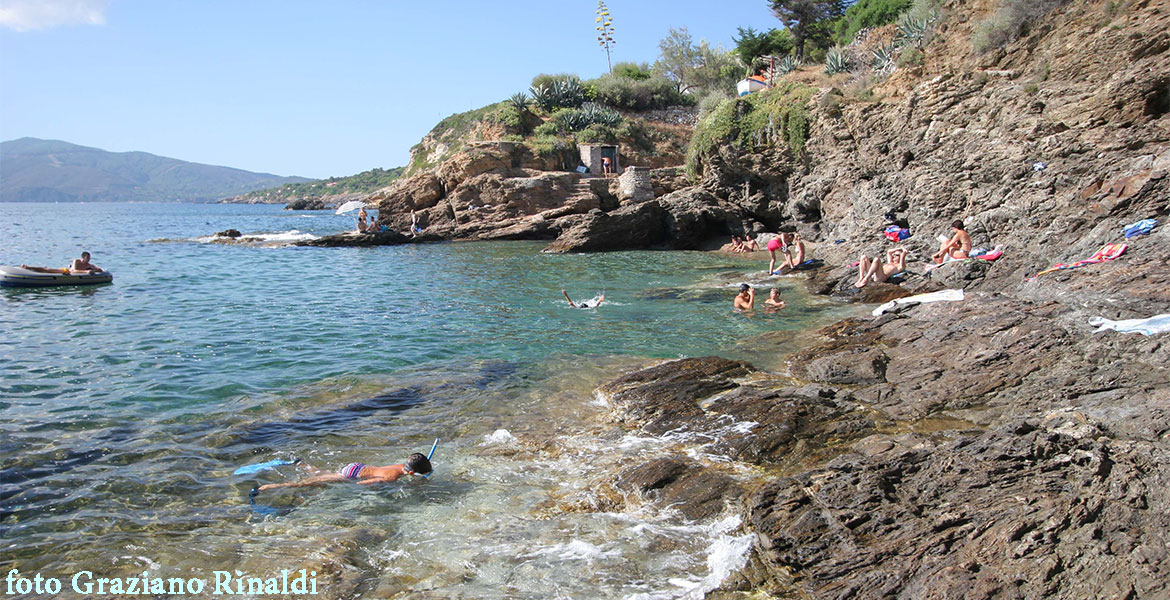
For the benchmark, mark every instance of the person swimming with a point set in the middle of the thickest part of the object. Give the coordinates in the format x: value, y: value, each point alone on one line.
x: 591, y: 303
x: 773, y: 300
x: 746, y: 299
x: 361, y: 473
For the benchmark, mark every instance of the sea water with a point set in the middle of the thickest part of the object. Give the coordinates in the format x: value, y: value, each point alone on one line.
x: 125, y: 408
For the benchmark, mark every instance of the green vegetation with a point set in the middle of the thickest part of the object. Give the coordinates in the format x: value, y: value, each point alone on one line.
x: 836, y: 61
x: 561, y: 92
x: 696, y: 69
x: 651, y: 92
x: 751, y: 44
x: 810, y: 21
x: 1010, y: 21
x: 866, y: 14
x: 771, y: 117
x: 911, y: 57
x: 362, y: 183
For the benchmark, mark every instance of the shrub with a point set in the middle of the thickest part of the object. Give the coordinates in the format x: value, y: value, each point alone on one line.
x: 510, y: 117
x: 598, y: 133
x: 712, y: 100
x: 546, y: 129
x: 911, y: 57
x: 634, y: 94
x: 548, y: 145
x: 771, y: 117
x: 546, y: 80
x: 836, y: 61
x: 1010, y: 22
x: 630, y: 70
x: 868, y: 13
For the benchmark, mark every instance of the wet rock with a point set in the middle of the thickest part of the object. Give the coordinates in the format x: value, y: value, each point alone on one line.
x: 666, y: 396
x: 308, y: 204
x: 695, y: 491
x: 229, y: 233
x: 351, y: 239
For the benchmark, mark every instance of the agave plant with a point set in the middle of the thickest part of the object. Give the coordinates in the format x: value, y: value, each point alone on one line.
x: 836, y: 61
x: 594, y: 113
x: 520, y: 101
x: 568, y: 93
x: 884, y: 59
x: 786, y: 65
x: 913, y: 31
x: 543, y: 97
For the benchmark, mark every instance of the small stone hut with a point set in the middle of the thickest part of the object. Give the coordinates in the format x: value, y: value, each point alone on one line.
x: 591, y: 157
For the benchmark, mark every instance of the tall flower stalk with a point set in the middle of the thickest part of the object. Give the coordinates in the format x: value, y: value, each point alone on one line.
x: 605, y: 32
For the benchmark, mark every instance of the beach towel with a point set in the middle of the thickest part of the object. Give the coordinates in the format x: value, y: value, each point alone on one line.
x: 978, y: 253
x: 1107, y: 252
x: 1140, y: 228
x: 1148, y: 326
x: 896, y: 234
x: 943, y: 296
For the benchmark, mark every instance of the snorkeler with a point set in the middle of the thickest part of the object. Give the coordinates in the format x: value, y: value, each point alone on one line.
x: 593, y: 303
x: 416, y: 464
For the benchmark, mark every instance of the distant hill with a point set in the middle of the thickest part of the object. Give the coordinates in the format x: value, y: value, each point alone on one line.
x: 34, y: 170
x: 323, y: 192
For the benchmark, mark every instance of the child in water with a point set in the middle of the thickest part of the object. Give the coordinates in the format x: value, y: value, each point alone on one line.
x: 363, y: 474
x: 774, y: 300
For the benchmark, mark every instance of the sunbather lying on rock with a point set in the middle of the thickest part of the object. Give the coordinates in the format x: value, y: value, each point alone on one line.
x: 873, y: 270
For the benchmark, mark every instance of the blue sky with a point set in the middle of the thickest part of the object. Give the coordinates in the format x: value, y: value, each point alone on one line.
x: 293, y: 87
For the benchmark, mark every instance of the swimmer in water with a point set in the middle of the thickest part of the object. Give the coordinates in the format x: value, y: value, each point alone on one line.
x: 363, y: 474
x: 773, y: 301
x: 746, y: 299
x: 594, y: 303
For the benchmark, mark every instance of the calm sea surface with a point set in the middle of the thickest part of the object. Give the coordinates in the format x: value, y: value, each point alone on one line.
x: 124, y: 408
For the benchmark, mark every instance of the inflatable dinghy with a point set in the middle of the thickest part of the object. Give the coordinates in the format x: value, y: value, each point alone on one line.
x: 18, y: 277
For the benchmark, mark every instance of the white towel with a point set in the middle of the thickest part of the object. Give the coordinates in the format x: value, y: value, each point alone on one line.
x: 943, y: 296
x: 1152, y: 325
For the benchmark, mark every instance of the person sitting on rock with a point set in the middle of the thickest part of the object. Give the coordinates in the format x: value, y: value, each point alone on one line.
x: 773, y: 301
x: 750, y: 244
x: 79, y: 265
x: 736, y: 244
x: 593, y: 303
x: 873, y: 270
x: 956, y: 248
x: 791, y: 246
x: 363, y: 474
x: 746, y: 299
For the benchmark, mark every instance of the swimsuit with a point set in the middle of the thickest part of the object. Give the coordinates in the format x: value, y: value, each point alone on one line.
x: 352, y: 470
x: 774, y: 244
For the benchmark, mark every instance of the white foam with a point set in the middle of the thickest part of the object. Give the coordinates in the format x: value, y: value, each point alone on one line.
x: 499, y: 437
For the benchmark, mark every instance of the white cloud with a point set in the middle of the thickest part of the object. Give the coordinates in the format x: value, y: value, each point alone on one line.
x: 26, y: 15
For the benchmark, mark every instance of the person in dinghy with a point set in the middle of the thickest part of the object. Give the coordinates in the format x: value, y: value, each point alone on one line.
x: 79, y: 265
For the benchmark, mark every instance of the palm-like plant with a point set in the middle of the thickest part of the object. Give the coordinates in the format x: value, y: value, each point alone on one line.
x: 786, y: 65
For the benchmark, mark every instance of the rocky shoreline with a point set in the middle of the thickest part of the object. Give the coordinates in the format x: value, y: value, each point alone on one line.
x: 995, y: 447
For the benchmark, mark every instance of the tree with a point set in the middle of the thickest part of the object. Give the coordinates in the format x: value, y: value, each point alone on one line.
x: 678, y: 57
x: 752, y: 44
x: 696, y: 69
x: 605, y: 32
x: 807, y: 19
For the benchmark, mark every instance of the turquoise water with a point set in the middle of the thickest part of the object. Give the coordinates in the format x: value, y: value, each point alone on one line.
x: 125, y: 407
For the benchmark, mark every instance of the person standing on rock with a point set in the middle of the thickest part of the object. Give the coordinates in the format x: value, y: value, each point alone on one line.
x: 606, y: 165
x: 956, y: 248
x: 362, y: 226
x: 746, y: 299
